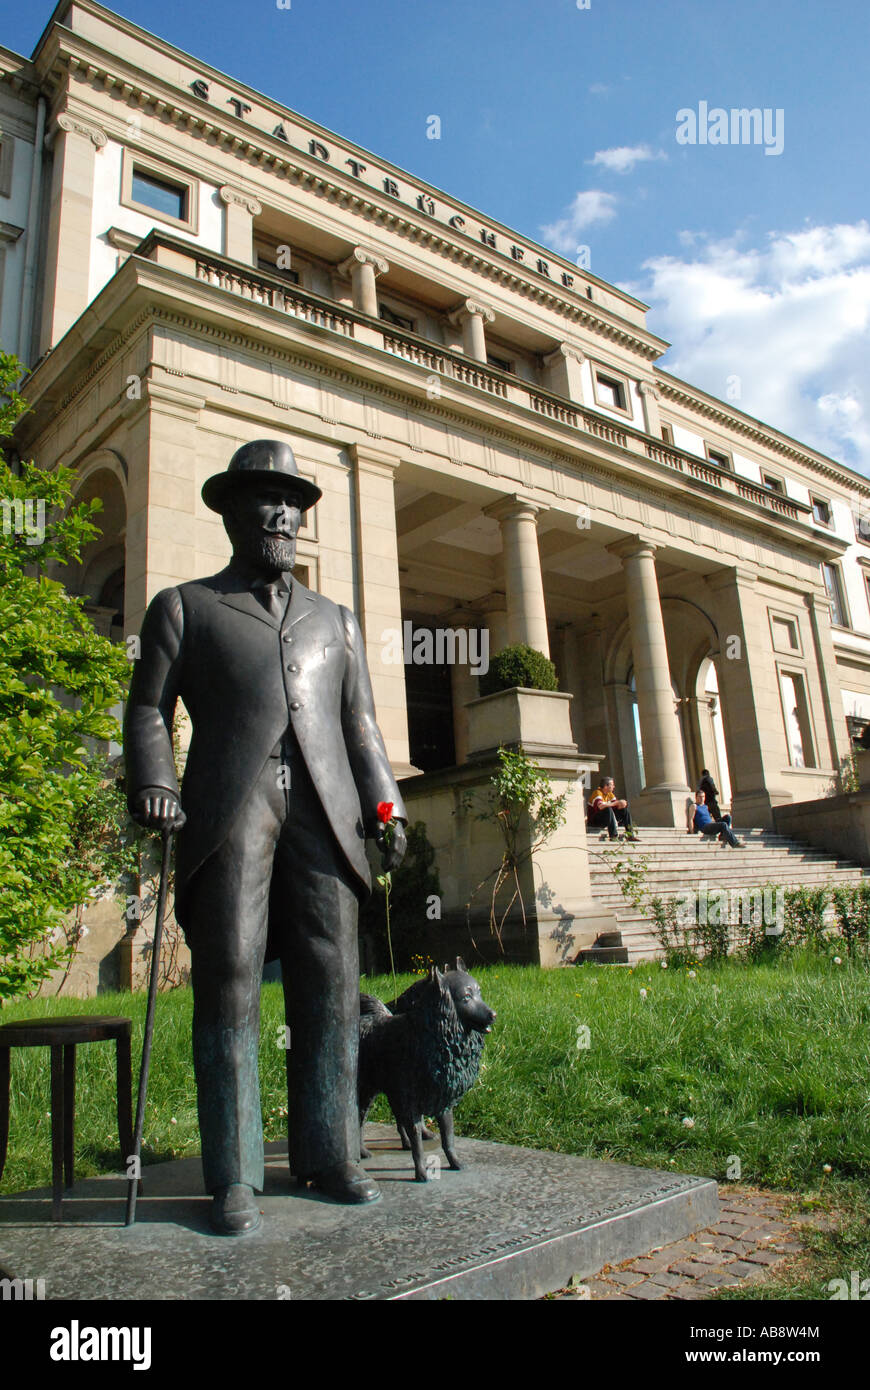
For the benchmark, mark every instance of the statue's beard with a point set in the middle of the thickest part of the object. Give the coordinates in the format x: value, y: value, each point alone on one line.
x: 265, y: 552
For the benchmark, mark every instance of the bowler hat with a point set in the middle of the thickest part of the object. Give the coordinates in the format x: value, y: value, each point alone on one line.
x: 261, y: 461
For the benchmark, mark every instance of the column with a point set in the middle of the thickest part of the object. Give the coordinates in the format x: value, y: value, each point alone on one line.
x: 826, y: 664
x: 75, y: 144
x: 472, y: 318
x: 239, y: 224
x: 650, y: 396
x: 664, y: 796
x: 364, y: 267
x: 751, y: 703
x: 570, y: 672
x: 524, y: 585
x: 162, y: 545
x: 623, y: 763
x: 380, y: 610
x: 564, y: 375
x: 494, y: 609
x: 463, y: 684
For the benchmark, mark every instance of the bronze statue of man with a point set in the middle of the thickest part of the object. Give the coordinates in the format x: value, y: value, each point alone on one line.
x: 284, y: 774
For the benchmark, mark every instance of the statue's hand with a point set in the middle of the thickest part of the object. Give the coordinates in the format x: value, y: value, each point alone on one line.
x: 159, y: 811
x: 394, y: 852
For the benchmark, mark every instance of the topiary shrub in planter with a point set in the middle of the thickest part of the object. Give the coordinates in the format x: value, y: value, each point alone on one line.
x: 519, y: 665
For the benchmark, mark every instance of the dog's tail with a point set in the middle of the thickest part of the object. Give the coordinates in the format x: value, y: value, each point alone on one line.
x: 371, y: 1006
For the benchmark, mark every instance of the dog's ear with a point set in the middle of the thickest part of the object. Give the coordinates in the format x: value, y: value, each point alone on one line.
x: 460, y: 964
x: 434, y: 977
x: 446, y: 967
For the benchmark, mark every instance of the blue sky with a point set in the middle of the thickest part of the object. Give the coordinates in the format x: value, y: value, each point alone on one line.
x: 561, y: 122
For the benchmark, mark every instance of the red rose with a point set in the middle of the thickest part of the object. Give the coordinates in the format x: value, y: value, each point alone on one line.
x: 385, y: 812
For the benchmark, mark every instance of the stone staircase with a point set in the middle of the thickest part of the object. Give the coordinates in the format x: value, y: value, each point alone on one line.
x: 678, y: 862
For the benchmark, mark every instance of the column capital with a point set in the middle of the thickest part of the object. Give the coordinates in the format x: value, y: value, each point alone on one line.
x: 469, y: 307
x: 649, y: 388
x: 511, y: 508
x: 563, y: 350
x: 234, y: 196
x: 73, y: 125
x: 360, y: 256
x: 629, y: 546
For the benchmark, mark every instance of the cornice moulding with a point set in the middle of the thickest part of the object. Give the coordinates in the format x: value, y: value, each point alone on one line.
x: 83, y: 61
x: 683, y: 394
x: 150, y: 278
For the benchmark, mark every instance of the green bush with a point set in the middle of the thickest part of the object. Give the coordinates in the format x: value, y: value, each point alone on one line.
x: 852, y: 911
x: 61, y: 819
x: 519, y: 665
x: 805, y: 917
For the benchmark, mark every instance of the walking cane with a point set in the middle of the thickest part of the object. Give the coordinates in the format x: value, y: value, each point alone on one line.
x: 133, y: 1182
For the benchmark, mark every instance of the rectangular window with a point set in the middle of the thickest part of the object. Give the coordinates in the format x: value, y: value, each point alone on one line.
x: 772, y: 483
x: 169, y: 199
x: 389, y: 315
x: 821, y: 511
x: 796, y: 714
x: 834, y: 589
x: 611, y: 390
x: 867, y: 585
x: 718, y: 456
x: 501, y: 364
x: 263, y: 263
x: 667, y: 434
x: 149, y: 186
x: 862, y: 526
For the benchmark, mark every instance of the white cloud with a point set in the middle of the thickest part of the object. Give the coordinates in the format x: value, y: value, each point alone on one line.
x: 598, y: 89
x: 587, y: 208
x: 789, y: 316
x: 623, y: 158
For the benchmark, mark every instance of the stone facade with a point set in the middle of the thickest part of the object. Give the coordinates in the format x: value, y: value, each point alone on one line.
x: 496, y: 446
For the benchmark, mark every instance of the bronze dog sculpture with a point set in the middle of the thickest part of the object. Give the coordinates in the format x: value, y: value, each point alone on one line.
x: 423, y: 1052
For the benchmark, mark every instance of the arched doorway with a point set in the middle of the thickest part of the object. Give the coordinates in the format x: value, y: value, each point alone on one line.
x: 712, y: 730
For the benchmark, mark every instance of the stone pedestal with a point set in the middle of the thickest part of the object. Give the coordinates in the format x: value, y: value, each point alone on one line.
x: 561, y: 916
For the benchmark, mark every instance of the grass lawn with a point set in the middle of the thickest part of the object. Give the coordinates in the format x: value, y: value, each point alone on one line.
x: 769, y: 1063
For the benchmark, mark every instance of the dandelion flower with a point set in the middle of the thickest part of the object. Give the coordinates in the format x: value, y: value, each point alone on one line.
x: 173, y: 1121
x: 826, y: 1168
x: 693, y: 974
x: 643, y: 994
x: 688, y: 1122
x: 838, y: 960
x: 664, y: 965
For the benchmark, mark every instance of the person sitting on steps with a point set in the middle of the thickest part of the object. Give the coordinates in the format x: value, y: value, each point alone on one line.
x: 704, y: 823
x: 604, y: 809
x: 711, y: 793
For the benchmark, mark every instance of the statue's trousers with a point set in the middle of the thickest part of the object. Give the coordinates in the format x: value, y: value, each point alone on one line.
x: 281, y: 874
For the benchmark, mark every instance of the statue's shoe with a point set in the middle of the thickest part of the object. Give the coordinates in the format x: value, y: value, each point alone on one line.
x: 345, y: 1182
x: 234, y: 1210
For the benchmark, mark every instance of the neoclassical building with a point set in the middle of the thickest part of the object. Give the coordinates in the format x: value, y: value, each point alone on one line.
x: 185, y: 265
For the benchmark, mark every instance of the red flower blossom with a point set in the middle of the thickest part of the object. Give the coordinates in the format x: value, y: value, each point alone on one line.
x: 385, y: 812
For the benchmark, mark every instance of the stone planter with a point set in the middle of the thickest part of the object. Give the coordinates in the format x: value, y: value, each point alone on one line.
x: 539, y: 720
